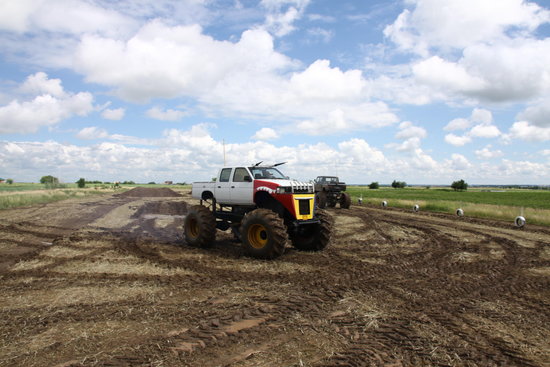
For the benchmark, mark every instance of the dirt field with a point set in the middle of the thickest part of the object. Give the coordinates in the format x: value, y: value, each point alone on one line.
x: 110, y: 282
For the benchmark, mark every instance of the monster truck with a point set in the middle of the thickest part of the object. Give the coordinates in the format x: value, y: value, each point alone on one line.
x: 329, y: 191
x: 264, y: 209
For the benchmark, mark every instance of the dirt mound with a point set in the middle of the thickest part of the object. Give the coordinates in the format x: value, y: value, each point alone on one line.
x: 162, y: 207
x: 149, y: 192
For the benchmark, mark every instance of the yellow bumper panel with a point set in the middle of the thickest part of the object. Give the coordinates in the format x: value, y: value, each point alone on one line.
x: 303, y: 206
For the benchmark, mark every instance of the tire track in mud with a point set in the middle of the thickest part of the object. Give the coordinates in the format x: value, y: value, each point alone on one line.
x: 409, y: 292
x: 486, y: 349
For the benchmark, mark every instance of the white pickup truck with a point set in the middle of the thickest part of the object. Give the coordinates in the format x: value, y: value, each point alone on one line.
x: 263, y: 207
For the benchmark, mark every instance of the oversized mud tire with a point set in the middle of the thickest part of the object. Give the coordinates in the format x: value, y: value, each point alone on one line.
x: 321, y: 199
x: 263, y: 234
x: 199, y: 226
x: 345, y: 200
x: 314, y: 237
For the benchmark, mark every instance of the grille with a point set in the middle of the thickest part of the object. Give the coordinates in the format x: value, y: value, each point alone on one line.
x: 301, y: 187
x: 304, y: 206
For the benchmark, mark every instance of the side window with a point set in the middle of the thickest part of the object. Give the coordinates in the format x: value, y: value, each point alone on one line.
x: 224, y: 176
x: 239, y: 174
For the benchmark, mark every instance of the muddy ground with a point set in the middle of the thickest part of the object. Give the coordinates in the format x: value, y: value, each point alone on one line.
x: 110, y: 282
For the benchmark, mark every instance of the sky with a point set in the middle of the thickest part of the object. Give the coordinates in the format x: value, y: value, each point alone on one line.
x: 421, y: 91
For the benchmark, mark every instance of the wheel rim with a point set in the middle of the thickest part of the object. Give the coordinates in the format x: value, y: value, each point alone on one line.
x: 193, y: 228
x: 257, y: 236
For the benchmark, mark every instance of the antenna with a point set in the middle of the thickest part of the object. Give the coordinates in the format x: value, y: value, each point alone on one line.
x: 223, y: 152
x: 278, y: 164
x: 257, y: 164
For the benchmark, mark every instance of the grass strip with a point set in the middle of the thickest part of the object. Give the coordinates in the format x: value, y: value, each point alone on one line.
x: 481, y: 205
x: 45, y: 196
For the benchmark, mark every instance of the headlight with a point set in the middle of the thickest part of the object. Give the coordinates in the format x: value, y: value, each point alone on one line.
x: 283, y: 190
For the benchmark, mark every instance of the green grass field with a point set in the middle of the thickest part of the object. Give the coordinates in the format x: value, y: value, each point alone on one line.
x: 483, y: 203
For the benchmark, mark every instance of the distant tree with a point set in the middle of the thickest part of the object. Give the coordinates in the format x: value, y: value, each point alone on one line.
x: 128, y: 183
x: 152, y: 183
x: 398, y: 184
x: 81, y: 183
x: 374, y: 185
x: 459, y: 185
x: 49, y: 180
x: 9, y: 181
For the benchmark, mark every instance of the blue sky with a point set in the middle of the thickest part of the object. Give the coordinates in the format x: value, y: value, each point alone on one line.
x: 422, y: 91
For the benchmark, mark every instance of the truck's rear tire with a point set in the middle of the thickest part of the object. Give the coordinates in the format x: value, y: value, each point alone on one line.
x: 199, y: 226
x: 263, y: 234
x: 321, y: 199
x: 314, y: 237
x: 345, y: 200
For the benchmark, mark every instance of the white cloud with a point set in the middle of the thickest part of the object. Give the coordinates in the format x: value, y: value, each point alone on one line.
x: 113, y: 114
x: 265, y: 134
x: 488, y: 153
x: 407, y: 131
x: 193, y: 155
x: 525, y: 131
x: 45, y: 109
x: 341, y: 120
x: 537, y: 114
x: 324, y: 35
x: 481, y: 50
x: 39, y: 83
x: 484, y: 128
x: 72, y: 17
x: 482, y: 116
x: 458, y: 124
x: 485, y: 131
x: 282, y: 14
x: 95, y: 133
x: 167, y: 62
x: 165, y: 115
x: 320, y: 81
x: 360, y: 154
x: 460, y: 23
x: 411, y: 136
x: 447, y: 75
x: 456, y: 140
x: 459, y: 163
x: 91, y: 133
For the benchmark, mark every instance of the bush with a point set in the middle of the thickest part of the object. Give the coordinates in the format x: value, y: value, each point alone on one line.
x: 9, y: 181
x: 81, y: 183
x: 49, y: 180
x: 374, y: 185
x: 398, y: 184
x: 459, y: 185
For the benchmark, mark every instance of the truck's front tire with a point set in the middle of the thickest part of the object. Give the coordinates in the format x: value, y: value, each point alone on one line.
x: 263, y: 234
x: 199, y: 226
x: 321, y: 199
x: 314, y: 237
x: 345, y: 201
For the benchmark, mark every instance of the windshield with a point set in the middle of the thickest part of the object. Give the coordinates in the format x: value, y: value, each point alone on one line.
x: 265, y: 172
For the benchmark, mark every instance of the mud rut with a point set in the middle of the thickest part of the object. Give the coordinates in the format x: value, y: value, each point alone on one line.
x: 394, y: 289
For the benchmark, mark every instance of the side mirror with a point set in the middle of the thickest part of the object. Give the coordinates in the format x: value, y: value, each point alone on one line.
x: 247, y: 178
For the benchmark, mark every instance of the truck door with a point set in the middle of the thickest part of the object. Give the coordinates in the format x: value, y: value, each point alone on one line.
x: 242, y: 187
x: 223, y: 187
